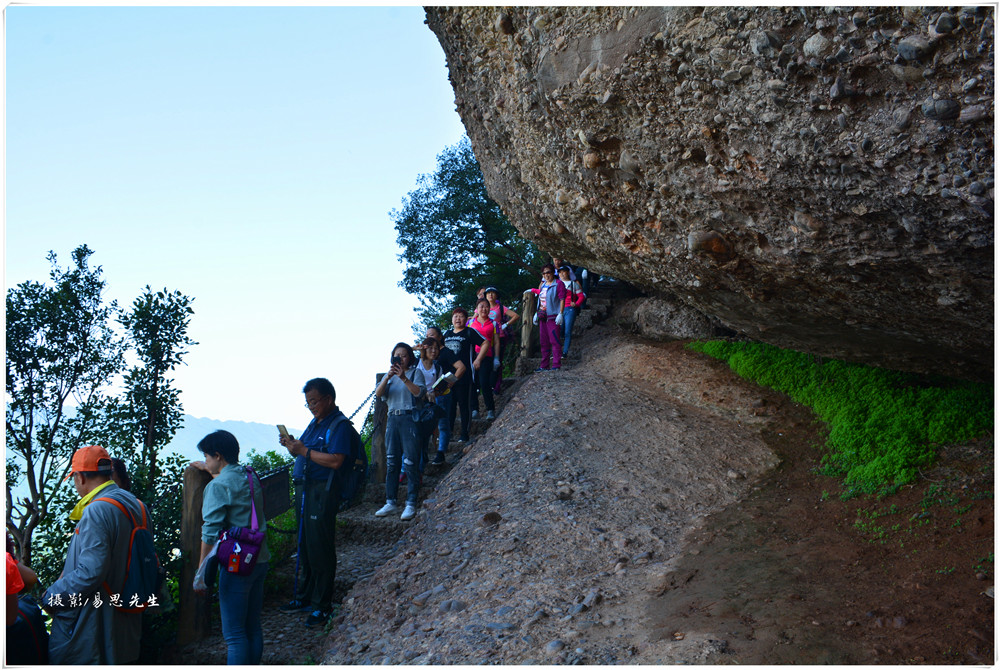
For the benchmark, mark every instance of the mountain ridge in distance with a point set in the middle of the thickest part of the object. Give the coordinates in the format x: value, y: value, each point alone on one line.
x: 258, y: 437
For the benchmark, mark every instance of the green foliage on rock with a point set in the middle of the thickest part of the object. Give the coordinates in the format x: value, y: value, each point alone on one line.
x: 884, y: 425
x: 455, y: 239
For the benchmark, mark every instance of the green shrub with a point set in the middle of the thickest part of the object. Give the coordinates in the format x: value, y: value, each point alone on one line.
x: 883, y: 425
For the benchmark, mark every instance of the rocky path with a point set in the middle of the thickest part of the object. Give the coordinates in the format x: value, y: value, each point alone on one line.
x: 645, y: 506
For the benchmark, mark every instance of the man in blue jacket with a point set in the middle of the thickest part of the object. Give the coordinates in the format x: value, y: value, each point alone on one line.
x: 318, y: 452
x: 89, y: 624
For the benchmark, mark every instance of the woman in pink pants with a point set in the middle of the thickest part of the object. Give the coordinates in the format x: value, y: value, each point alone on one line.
x: 549, y: 317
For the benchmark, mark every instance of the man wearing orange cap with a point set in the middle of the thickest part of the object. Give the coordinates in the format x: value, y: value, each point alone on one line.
x: 88, y: 627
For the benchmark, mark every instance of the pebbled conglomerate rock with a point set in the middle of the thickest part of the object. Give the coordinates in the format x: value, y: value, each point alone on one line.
x: 820, y: 178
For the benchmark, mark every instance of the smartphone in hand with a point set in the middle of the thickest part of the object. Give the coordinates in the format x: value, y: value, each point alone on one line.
x: 283, y: 431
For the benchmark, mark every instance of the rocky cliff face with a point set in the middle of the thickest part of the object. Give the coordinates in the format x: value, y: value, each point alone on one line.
x: 818, y: 178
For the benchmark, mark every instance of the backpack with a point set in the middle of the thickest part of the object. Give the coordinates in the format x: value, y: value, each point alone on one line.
x: 351, y: 478
x: 27, y: 639
x: 143, y: 573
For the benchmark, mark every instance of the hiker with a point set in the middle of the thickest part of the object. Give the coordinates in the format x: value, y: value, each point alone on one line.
x: 504, y: 318
x: 227, y: 503
x: 405, y: 390
x: 549, y: 317
x: 574, y: 299
x: 461, y: 340
x: 485, y: 366
x: 20, y: 578
x: 83, y: 632
x: 120, y: 474
x: 558, y: 264
x: 449, y: 363
x: 480, y: 294
x: 26, y: 637
x: 433, y: 369
x: 317, y: 454
x: 576, y: 273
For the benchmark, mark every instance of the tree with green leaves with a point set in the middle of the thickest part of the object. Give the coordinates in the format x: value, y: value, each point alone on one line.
x: 149, y: 412
x: 61, y: 355
x: 455, y: 238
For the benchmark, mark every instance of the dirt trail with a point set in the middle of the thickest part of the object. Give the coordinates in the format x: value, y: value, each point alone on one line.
x: 577, y: 530
x: 646, y: 506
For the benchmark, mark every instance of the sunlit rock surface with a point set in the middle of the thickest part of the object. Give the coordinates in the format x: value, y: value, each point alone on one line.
x: 818, y: 178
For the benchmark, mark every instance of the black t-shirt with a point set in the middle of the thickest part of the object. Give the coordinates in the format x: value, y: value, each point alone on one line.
x: 463, y: 344
x: 447, y: 359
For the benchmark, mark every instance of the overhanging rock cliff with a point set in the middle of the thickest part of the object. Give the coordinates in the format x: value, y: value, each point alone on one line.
x: 818, y: 178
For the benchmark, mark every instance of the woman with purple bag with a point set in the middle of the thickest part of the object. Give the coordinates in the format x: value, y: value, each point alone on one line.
x: 227, y: 504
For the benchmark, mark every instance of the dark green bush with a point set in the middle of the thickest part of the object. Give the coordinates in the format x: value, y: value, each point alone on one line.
x: 884, y: 425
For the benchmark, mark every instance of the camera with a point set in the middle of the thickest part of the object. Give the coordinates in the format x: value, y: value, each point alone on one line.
x: 396, y: 360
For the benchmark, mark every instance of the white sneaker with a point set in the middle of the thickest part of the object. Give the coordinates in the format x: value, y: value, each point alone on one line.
x: 408, y: 513
x: 387, y: 509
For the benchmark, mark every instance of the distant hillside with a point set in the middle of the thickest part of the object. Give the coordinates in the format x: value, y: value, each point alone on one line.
x: 259, y: 437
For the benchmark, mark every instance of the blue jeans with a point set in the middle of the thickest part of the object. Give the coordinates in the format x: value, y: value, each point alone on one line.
x: 241, y: 599
x: 569, y: 316
x: 444, y: 425
x: 402, y: 442
x: 428, y: 430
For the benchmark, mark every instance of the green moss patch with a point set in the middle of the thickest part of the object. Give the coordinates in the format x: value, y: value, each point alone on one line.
x: 884, y: 425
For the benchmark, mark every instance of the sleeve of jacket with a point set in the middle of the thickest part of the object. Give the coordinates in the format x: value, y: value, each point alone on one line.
x: 213, y: 511
x: 561, y: 293
x: 94, y: 536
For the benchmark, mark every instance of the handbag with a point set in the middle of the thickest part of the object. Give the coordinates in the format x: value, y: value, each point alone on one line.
x: 239, y: 547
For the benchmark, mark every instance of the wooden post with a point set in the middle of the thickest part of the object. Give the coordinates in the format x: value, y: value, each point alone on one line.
x: 529, y: 304
x: 193, y: 613
x: 381, y: 414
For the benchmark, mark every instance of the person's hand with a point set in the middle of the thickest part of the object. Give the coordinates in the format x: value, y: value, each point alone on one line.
x: 295, y: 447
x: 201, y: 465
x: 476, y: 363
x: 496, y: 363
x: 430, y: 395
x: 534, y: 319
x: 396, y: 369
x: 559, y: 319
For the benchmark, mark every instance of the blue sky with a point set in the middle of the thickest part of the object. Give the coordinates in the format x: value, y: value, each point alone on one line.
x: 246, y: 156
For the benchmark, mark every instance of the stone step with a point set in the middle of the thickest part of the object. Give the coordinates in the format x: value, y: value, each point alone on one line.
x: 584, y: 320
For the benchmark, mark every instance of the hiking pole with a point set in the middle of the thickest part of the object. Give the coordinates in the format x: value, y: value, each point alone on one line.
x: 298, y: 549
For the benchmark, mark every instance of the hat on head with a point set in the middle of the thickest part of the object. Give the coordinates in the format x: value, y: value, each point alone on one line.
x: 88, y: 459
x: 491, y: 288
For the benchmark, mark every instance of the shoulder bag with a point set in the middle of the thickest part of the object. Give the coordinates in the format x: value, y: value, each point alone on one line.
x: 239, y: 547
